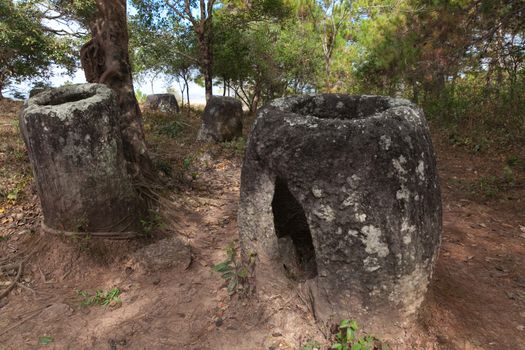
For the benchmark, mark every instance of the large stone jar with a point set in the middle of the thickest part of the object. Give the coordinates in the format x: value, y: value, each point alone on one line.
x: 75, y: 149
x: 163, y: 103
x: 340, y: 198
x: 221, y: 120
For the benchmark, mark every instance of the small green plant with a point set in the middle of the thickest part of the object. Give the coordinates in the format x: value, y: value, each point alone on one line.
x: 45, y: 340
x: 231, y: 270
x: 186, y: 163
x: 82, y: 224
x: 152, y: 222
x: 237, y: 146
x: 186, y: 166
x: 15, y: 193
x: 311, y: 345
x: 170, y: 128
x: 508, y: 174
x: 347, y: 338
x: 512, y: 160
x: 103, y: 298
x: 82, y: 241
x: 164, y: 166
x: 20, y: 155
x: 12, y: 195
x: 487, y: 186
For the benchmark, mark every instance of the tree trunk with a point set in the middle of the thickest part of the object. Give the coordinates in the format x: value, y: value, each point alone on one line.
x: 255, y: 103
x: 327, y: 71
x: 1, y: 87
x: 208, y: 76
x: 204, y: 36
x: 182, y: 89
x: 187, y: 91
x: 151, y: 84
x: 188, y: 95
x: 105, y: 59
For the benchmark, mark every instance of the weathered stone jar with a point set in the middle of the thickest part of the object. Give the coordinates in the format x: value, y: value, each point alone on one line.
x: 163, y: 103
x: 340, y: 197
x: 75, y: 149
x: 221, y: 120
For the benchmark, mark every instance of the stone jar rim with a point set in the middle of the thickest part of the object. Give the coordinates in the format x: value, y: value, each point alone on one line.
x: 334, y: 108
x: 66, y: 99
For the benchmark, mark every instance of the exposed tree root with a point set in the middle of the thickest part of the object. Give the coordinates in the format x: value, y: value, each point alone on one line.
x: 33, y: 315
x: 8, y: 265
x: 13, y: 283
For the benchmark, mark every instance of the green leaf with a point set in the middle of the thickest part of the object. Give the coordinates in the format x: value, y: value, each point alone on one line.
x: 232, y: 285
x: 243, y: 273
x: 222, y: 267
x: 344, y: 324
x: 350, y: 334
x: 339, y: 336
x: 44, y: 340
x: 186, y: 163
x: 337, y: 347
x: 228, y: 274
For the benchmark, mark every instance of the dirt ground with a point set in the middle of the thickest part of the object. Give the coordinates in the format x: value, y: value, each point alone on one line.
x: 176, y: 300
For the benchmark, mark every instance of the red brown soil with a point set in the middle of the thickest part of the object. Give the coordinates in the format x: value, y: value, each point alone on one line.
x: 476, y: 300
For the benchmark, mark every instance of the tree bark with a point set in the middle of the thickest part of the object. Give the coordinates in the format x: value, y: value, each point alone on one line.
x: 187, y: 92
x: 327, y: 69
x: 182, y: 88
x: 206, y: 59
x: 105, y: 59
x: 255, y: 103
x: 1, y: 86
x: 2, y: 81
x: 208, y: 84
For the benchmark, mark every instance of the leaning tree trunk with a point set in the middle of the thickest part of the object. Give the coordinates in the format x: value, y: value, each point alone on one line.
x: 105, y: 59
x: 187, y: 92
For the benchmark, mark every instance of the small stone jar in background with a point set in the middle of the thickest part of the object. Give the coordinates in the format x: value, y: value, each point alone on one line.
x: 221, y: 120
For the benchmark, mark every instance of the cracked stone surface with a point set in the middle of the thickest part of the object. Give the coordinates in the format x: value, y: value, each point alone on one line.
x: 361, y: 170
x: 76, y: 154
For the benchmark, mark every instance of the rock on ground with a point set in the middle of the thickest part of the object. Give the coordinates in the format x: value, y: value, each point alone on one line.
x: 222, y: 120
x: 164, y: 254
x: 164, y: 103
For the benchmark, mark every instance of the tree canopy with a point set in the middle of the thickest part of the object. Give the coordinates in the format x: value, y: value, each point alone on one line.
x: 28, y: 48
x: 447, y: 55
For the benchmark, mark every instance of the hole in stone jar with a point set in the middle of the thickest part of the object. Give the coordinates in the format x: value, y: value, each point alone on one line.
x: 343, y: 107
x: 68, y: 97
x: 294, y: 238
